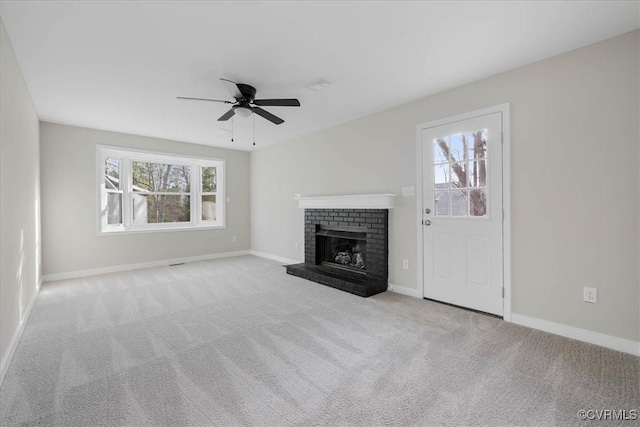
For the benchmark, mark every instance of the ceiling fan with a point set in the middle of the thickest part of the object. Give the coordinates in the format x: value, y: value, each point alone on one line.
x: 245, y: 103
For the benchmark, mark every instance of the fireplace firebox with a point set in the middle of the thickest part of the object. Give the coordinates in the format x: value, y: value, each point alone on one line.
x: 346, y: 249
x: 343, y: 248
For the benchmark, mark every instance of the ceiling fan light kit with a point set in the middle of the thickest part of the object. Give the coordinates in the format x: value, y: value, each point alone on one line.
x: 242, y: 111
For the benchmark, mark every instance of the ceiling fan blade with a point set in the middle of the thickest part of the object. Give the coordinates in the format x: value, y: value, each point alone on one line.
x: 277, y: 102
x: 233, y: 88
x: 267, y: 115
x: 204, y: 99
x: 227, y: 115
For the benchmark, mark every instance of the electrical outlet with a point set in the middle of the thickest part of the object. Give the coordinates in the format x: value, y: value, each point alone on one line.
x: 590, y: 295
x: 234, y: 238
x: 405, y: 264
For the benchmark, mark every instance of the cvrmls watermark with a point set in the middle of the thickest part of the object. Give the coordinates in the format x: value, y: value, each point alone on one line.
x: 608, y: 414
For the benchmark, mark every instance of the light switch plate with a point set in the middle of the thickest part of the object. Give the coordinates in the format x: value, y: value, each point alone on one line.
x: 408, y: 191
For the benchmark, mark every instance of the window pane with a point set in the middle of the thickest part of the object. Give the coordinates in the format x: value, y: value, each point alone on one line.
x: 478, y: 145
x: 114, y: 208
x: 157, y: 177
x: 459, y: 203
x: 209, y: 208
x: 478, y: 202
x: 442, y: 176
x: 458, y: 145
x: 441, y: 203
x: 159, y: 208
x: 209, y: 180
x: 459, y: 174
x: 440, y: 149
x: 112, y: 173
x: 478, y: 174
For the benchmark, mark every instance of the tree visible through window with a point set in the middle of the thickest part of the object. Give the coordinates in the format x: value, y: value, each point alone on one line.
x: 460, y: 166
x: 161, y: 193
x: 209, y: 188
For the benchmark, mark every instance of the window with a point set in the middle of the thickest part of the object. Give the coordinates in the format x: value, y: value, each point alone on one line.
x: 460, y: 181
x: 140, y: 191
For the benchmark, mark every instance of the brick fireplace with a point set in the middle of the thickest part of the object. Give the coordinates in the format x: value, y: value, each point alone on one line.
x: 347, y: 249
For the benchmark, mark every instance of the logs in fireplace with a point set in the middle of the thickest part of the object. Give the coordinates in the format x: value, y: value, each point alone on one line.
x: 342, y: 247
x: 346, y: 249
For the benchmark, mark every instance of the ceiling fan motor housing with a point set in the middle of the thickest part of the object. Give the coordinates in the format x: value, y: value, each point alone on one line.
x: 247, y: 91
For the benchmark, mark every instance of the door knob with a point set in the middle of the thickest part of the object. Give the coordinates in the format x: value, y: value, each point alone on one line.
x: 427, y: 222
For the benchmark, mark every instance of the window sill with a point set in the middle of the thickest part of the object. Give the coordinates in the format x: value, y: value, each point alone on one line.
x: 161, y: 230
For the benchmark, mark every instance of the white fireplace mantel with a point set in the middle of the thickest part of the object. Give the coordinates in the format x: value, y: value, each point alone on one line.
x: 353, y: 201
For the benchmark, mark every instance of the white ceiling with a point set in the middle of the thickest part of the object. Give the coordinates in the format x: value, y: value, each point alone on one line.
x: 120, y: 65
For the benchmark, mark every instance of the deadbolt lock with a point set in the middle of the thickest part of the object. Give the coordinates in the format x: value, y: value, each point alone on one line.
x: 427, y: 211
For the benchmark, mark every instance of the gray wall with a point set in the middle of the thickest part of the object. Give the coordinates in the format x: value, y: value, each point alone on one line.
x: 19, y: 197
x: 69, y: 232
x: 574, y: 181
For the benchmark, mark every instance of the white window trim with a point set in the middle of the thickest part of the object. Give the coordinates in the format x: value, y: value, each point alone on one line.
x: 127, y: 155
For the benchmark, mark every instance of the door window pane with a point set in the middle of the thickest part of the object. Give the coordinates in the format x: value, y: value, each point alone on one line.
x: 478, y: 202
x: 441, y: 203
x: 458, y: 145
x: 478, y: 174
x: 442, y: 176
x: 459, y: 205
x: 459, y: 174
x: 440, y: 147
x: 478, y: 145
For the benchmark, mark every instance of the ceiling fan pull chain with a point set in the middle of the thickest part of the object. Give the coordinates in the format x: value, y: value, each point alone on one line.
x: 254, y: 128
x: 232, y: 130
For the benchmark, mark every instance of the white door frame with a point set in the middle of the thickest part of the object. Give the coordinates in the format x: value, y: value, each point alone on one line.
x: 506, y: 196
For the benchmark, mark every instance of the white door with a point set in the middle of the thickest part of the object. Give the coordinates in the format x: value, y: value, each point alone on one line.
x: 462, y: 213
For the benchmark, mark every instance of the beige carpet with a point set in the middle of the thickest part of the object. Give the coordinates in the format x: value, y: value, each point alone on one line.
x: 239, y: 342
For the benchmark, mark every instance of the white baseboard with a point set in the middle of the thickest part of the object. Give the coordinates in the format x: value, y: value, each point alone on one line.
x: 136, y: 266
x: 603, y: 340
x: 17, y: 334
x: 404, y: 290
x: 274, y: 257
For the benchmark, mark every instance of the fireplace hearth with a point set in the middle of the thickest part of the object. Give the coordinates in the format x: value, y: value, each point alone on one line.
x: 346, y: 249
